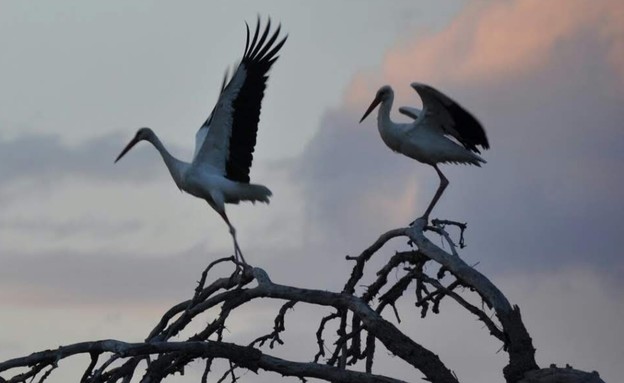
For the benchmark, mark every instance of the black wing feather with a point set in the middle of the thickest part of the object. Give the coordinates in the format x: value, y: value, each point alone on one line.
x: 270, y: 43
x: 469, y: 128
x: 246, y: 39
x: 255, y: 38
x: 262, y: 39
x: 248, y: 102
x: 225, y: 79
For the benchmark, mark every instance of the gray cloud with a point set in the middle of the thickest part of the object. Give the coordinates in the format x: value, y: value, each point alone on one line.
x: 138, y: 281
x: 45, y: 159
x: 75, y: 278
x: 69, y: 277
x: 88, y: 225
x: 550, y: 194
x: 345, y: 165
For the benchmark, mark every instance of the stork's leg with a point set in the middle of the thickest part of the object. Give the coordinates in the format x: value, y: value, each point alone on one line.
x: 237, y: 251
x: 443, y: 184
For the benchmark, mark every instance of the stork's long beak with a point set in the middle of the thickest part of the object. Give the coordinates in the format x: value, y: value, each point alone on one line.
x: 133, y: 142
x: 372, y: 107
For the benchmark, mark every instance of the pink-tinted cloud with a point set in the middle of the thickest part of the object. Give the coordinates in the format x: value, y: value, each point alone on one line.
x: 544, y: 79
x: 495, y: 40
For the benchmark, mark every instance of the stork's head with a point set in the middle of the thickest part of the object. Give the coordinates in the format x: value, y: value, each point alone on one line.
x: 383, y: 94
x: 141, y: 134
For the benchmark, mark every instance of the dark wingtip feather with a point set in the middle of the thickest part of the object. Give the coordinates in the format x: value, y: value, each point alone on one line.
x: 271, y: 61
x: 225, y: 77
x: 486, y: 143
x: 262, y: 54
x: 260, y: 44
x: 252, y: 46
x: 276, y: 49
x: 470, y: 131
x: 246, y: 40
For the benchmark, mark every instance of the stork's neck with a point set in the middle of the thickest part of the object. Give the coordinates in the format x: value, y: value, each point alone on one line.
x: 175, y: 166
x: 383, y: 116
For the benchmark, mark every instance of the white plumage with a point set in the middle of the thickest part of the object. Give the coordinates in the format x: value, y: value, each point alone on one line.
x: 224, y: 144
x: 426, y: 139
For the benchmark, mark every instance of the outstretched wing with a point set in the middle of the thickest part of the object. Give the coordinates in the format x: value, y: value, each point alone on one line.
x: 200, y: 136
x: 226, y: 141
x: 451, y: 117
x: 410, y: 112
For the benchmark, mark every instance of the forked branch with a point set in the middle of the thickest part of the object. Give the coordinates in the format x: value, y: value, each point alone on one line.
x: 359, y: 316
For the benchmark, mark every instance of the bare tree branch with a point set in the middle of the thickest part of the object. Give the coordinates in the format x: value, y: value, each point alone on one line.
x: 360, y: 322
x: 247, y: 357
x: 494, y: 330
x: 519, y: 344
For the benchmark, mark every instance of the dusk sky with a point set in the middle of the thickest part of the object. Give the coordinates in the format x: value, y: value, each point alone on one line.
x: 93, y: 250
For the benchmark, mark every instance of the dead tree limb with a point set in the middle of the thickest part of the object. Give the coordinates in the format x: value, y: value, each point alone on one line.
x: 357, y: 312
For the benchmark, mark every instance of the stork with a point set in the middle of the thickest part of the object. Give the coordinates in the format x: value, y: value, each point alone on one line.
x: 426, y: 139
x: 224, y: 144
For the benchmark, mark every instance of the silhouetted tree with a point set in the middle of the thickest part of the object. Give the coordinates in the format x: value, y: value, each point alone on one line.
x: 357, y: 313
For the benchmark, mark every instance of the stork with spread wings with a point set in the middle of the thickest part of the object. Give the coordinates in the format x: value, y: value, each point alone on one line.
x: 224, y: 146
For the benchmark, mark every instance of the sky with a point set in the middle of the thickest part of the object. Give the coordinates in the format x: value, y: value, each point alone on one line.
x: 92, y: 250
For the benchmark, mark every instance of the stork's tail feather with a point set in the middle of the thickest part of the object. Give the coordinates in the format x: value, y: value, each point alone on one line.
x: 474, y: 160
x: 255, y: 193
x: 478, y: 162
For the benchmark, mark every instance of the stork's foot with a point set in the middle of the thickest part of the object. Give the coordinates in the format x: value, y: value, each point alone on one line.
x: 419, y: 224
x: 241, y: 274
x: 237, y: 274
x: 239, y: 255
x: 422, y: 221
x: 240, y: 269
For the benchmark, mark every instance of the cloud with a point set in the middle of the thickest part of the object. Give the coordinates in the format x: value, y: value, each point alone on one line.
x: 90, y: 225
x: 549, y: 194
x: 347, y: 178
x: 66, y: 278
x: 570, y: 314
x: 56, y: 195
x: 544, y: 212
x: 46, y: 159
x: 556, y: 306
x: 491, y: 42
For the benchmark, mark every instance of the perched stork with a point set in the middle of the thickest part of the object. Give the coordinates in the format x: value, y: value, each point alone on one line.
x: 224, y: 144
x: 426, y: 138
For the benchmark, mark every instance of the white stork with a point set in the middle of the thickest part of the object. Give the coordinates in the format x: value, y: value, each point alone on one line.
x: 224, y: 144
x: 426, y: 139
